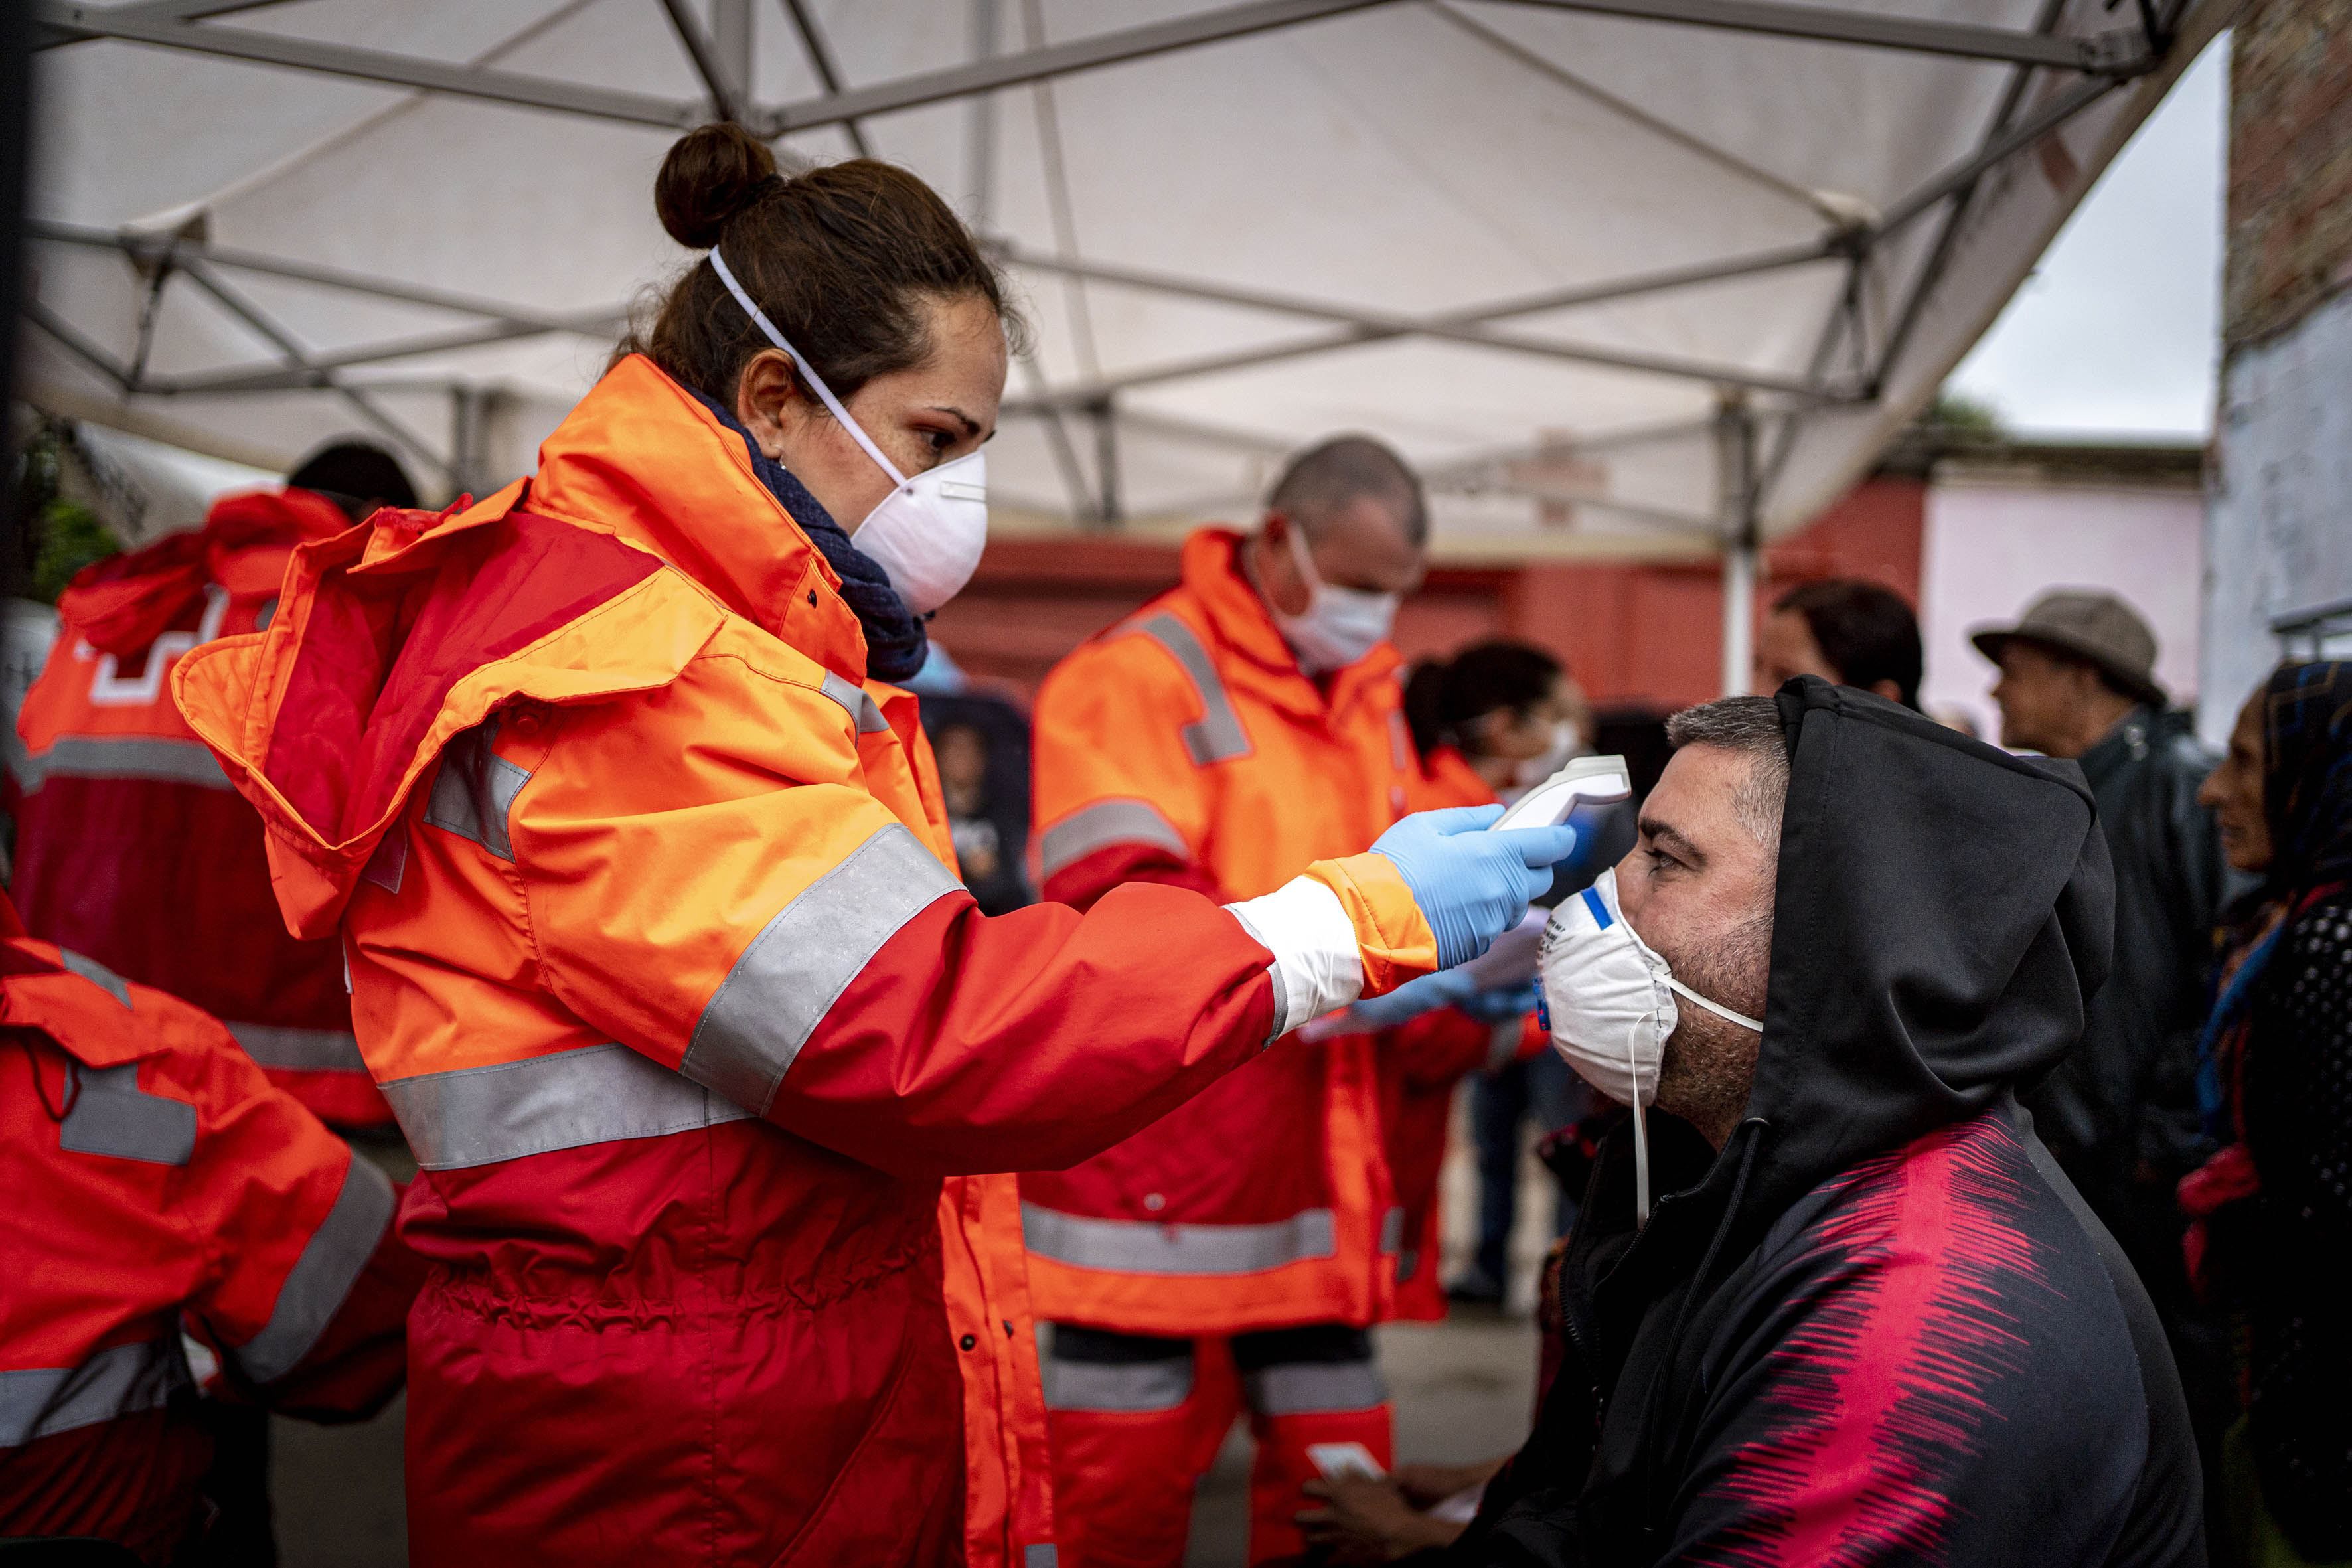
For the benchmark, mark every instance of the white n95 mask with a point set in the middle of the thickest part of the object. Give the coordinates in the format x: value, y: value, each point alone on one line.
x: 927, y: 533
x: 1611, y: 1000
x: 1339, y: 625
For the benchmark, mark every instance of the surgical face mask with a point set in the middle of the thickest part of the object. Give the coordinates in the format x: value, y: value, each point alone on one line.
x: 1339, y: 625
x: 1567, y: 742
x: 1611, y: 1000
x: 927, y: 533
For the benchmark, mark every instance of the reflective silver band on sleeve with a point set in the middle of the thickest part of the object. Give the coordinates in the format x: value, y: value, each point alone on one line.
x: 160, y: 758
x: 120, y: 1380
x: 1217, y: 736
x: 864, y: 711
x: 292, y: 1049
x: 1125, y: 1386
x: 111, y: 1115
x: 1103, y: 824
x: 97, y: 973
x: 1141, y: 1247
x: 596, y: 1094
x: 1042, y: 1556
x: 1392, y: 1230
x: 316, y: 1286
x: 1310, y: 1387
x: 797, y: 967
x: 476, y: 789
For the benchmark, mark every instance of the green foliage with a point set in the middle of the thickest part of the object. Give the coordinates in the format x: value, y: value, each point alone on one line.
x: 61, y: 536
x: 67, y: 538
x: 1957, y: 414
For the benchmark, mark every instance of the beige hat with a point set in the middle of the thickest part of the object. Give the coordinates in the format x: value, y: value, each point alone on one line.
x: 2086, y: 624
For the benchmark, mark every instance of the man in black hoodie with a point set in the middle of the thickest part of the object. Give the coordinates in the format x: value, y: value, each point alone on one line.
x: 1868, y: 1320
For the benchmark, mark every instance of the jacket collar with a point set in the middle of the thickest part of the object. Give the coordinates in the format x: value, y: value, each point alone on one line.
x: 641, y: 458
x: 122, y: 604
x: 1219, y: 583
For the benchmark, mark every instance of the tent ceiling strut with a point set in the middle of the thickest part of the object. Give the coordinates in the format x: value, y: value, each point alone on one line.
x: 2117, y: 53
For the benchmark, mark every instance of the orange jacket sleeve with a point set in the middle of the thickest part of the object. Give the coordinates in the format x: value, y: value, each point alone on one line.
x: 306, y: 1284
x: 742, y: 910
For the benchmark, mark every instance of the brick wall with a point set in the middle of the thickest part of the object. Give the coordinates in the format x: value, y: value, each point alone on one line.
x: 1647, y: 632
x: 2290, y: 181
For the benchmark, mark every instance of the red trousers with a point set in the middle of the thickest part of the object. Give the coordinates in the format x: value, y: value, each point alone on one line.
x: 1137, y: 1422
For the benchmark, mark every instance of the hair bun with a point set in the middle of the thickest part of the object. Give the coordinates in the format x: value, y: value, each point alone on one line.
x: 710, y: 174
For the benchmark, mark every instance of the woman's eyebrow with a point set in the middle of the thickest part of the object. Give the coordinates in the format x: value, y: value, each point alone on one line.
x: 971, y: 426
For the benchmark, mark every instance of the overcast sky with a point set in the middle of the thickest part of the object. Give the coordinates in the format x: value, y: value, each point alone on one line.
x: 2117, y: 332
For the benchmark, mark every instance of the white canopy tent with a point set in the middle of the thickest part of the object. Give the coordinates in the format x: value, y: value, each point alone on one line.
x: 1620, y: 275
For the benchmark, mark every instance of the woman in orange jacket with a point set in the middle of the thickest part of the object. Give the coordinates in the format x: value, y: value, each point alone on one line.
x: 641, y: 871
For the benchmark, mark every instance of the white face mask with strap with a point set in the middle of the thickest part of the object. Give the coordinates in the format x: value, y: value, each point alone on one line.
x: 1339, y: 625
x: 927, y: 533
x: 1610, y: 998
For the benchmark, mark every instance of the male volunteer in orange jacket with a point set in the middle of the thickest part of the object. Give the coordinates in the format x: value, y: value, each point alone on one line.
x: 155, y: 1179
x: 1241, y: 726
x: 131, y: 845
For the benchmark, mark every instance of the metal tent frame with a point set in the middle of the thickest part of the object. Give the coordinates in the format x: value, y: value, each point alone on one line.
x: 1758, y: 412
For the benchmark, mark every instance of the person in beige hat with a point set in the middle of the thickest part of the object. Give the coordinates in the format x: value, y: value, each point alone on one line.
x: 2119, y: 1112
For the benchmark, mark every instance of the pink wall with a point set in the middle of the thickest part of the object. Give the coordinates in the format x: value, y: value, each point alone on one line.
x: 1994, y: 543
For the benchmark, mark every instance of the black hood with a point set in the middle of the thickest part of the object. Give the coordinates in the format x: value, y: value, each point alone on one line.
x: 1944, y: 911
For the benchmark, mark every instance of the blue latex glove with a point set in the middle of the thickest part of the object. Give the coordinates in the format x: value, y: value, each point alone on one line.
x: 1501, y: 1004
x: 1446, y: 988
x: 1471, y: 885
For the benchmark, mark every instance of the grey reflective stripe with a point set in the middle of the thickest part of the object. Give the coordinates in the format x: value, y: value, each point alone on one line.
x: 1140, y: 1247
x: 120, y: 1380
x: 597, y: 1094
x: 863, y: 710
x: 1131, y: 1385
x: 97, y: 973
x: 798, y: 966
x: 1039, y: 1557
x: 1408, y: 1263
x: 474, y: 790
x: 315, y: 1286
x: 1105, y: 823
x: 1304, y: 1387
x: 291, y: 1049
x: 111, y: 1115
x: 1392, y: 1230
x: 123, y: 757
x: 1217, y: 736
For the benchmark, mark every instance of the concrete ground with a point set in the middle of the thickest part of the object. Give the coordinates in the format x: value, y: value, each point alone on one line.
x: 1464, y: 1390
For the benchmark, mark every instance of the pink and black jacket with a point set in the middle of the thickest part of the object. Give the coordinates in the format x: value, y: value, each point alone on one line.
x: 1879, y: 1327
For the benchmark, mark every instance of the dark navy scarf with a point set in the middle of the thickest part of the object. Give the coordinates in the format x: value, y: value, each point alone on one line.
x: 895, y: 642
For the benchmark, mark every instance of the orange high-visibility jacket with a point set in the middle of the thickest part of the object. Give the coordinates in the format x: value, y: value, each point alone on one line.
x: 130, y: 845
x: 1184, y: 745
x: 153, y: 1178
x: 655, y: 952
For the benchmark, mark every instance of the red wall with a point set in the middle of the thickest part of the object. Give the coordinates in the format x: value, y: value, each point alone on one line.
x: 1649, y: 632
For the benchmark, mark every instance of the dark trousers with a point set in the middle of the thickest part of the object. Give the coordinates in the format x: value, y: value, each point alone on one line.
x: 1544, y: 1089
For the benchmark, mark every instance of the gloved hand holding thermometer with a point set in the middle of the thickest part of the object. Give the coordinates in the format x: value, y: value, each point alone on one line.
x: 1472, y: 886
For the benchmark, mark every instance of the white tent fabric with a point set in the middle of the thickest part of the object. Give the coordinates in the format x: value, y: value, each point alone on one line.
x: 1621, y: 274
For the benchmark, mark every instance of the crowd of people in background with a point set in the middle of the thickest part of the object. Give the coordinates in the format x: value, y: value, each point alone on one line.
x: 682, y: 952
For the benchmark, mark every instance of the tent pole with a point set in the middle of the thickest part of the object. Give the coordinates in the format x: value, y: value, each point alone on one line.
x: 1735, y: 462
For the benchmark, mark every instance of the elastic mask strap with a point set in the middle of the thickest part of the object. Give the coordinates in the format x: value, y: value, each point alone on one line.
x: 1641, y: 1132
x: 1720, y: 1011
x: 760, y: 319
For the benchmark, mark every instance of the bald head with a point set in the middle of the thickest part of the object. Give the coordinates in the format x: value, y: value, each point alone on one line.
x: 1327, y: 479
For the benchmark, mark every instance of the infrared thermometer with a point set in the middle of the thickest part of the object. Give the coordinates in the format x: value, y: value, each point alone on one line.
x: 1587, y: 781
